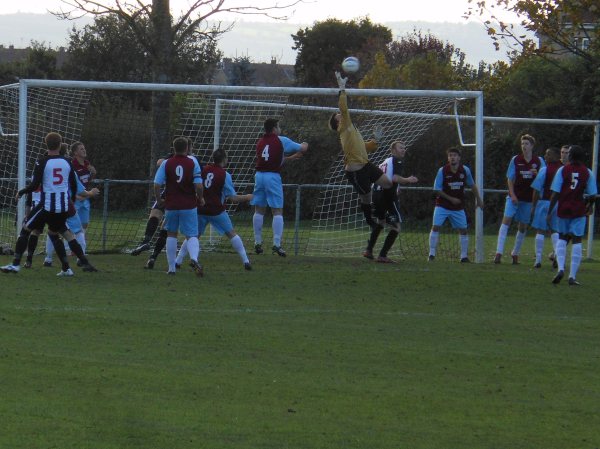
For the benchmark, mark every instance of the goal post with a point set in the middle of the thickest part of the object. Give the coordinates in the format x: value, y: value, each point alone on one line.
x: 233, y: 115
x: 479, y: 250
x: 594, y: 124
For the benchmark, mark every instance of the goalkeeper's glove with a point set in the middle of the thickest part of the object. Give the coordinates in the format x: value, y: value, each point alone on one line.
x: 341, y: 81
x: 378, y: 133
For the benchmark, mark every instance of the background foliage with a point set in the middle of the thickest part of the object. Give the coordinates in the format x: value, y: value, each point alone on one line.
x: 530, y: 85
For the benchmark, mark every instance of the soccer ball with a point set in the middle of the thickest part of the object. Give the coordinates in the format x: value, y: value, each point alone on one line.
x: 350, y: 64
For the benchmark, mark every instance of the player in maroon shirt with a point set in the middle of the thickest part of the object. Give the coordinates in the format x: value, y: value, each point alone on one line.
x: 449, y: 186
x: 86, y: 173
x: 564, y: 159
x: 521, y: 172
x: 218, y: 187
x: 152, y: 223
x: 180, y: 176
x: 271, y: 151
x: 541, y: 201
x: 574, y: 189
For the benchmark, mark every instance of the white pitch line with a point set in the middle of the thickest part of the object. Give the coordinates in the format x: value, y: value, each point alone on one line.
x: 249, y: 310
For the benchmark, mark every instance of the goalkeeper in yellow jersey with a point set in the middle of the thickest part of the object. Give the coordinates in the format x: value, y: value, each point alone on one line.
x: 359, y: 171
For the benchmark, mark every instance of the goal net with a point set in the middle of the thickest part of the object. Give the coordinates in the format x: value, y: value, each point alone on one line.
x: 56, y: 109
x: 321, y: 212
x: 333, y: 221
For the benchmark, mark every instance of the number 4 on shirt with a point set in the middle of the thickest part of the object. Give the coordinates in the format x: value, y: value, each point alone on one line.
x: 265, y: 153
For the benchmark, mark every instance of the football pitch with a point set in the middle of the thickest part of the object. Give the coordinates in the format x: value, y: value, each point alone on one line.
x: 299, y: 353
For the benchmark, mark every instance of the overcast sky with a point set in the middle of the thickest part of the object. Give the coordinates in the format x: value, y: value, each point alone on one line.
x: 309, y: 10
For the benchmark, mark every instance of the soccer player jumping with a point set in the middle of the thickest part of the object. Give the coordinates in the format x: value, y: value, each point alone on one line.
x: 361, y: 173
x: 271, y: 151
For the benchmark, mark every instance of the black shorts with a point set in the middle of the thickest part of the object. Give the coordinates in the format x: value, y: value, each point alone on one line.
x: 29, y: 221
x: 362, y: 179
x: 386, y: 206
x: 56, y: 222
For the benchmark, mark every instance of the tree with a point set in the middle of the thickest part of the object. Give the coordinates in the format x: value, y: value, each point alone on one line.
x: 382, y: 75
x: 109, y: 38
x: 40, y: 63
x: 162, y: 38
x: 322, y: 48
x: 417, y: 44
x: 422, y: 61
x: 561, y: 24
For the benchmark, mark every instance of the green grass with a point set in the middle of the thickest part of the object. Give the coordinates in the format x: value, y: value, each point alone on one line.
x: 299, y: 353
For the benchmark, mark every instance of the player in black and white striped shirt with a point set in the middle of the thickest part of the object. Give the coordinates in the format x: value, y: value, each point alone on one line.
x: 58, y: 180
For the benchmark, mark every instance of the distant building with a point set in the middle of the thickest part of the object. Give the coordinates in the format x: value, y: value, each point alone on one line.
x: 582, y: 36
x: 11, y: 54
x: 256, y: 74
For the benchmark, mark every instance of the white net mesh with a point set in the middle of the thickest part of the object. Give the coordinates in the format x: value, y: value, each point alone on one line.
x: 322, y: 215
x: 49, y: 109
x: 234, y: 124
x: 336, y: 225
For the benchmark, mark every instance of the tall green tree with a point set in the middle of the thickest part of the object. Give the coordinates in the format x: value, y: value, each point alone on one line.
x: 322, y: 48
x: 163, y: 37
x: 109, y: 38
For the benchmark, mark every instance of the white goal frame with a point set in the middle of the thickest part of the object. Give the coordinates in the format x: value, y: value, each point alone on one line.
x: 476, y: 96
